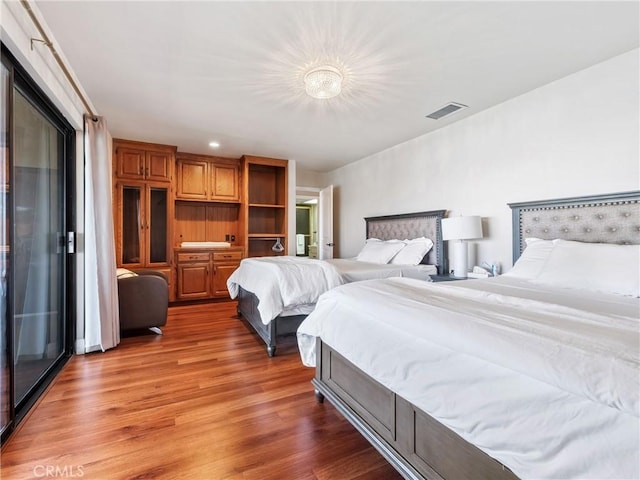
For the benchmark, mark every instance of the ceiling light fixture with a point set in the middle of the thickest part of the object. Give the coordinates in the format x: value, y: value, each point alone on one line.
x: 323, y: 82
x: 214, y: 144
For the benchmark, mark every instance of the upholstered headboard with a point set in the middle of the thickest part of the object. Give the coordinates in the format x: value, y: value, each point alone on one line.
x: 610, y: 218
x: 412, y: 225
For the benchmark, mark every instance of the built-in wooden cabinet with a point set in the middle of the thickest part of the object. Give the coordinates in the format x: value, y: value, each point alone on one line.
x: 193, y: 269
x: 224, y: 263
x: 143, y: 161
x: 143, y: 206
x: 163, y: 198
x: 143, y: 220
x: 264, y: 210
x: 206, y: 178
x: 203, y: 273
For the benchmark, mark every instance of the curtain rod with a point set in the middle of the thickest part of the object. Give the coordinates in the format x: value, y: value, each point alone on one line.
x: 46, y: 41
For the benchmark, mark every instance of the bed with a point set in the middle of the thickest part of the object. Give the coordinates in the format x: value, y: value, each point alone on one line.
x: 276, y: 293
x: 518, y: 376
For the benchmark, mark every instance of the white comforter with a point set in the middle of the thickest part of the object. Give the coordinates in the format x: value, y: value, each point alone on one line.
x: 281, y: 283
x: 546, y: 382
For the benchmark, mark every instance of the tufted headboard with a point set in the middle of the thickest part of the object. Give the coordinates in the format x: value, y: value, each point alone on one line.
x: 610, y: 218
x: 412, y: 225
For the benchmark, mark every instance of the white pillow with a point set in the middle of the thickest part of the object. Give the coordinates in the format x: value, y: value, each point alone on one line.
x: 124, y: 273
x: 413, y: 252
x: 532, y: 259
x: 377, y: 251
x: 601, y: 267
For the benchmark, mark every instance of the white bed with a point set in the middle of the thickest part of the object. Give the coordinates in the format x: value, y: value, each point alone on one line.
x: 290, y: 285
x: 276, y: 293
x: 538, y: 369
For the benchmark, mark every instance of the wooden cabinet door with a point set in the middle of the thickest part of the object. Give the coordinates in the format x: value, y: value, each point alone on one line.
x: 130, y: 224
x: 169, y: 273
x: 130, y: 163
x: 221, y: 273
x: 193, y: 281
x: 157, y: 223
x: 158, y: 166
x: 224, y: 183
x: 192, y: 180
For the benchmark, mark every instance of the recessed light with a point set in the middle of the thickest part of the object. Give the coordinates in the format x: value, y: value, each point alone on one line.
x: 214, y: 144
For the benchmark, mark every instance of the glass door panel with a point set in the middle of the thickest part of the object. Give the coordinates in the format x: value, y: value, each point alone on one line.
x: 158, y: 225
x: 131, y: 224
x: 5, y: 360
x: 39, y: 255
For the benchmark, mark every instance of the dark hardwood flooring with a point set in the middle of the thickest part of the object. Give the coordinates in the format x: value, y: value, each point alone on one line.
x: 202, y: 401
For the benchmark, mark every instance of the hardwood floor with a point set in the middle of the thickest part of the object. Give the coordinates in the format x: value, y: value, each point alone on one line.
x: 202, y: 401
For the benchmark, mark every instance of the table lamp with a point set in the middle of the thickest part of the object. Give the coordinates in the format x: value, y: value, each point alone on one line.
x: 461, y: 229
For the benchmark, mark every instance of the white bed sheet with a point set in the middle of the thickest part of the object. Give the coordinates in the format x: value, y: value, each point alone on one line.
x: 545, y: 381
x: 290, y: 285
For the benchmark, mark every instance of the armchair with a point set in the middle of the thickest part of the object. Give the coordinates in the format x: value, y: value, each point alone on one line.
x: 143, y: 300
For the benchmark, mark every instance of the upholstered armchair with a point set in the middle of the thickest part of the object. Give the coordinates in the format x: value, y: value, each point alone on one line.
x: 143, y: 300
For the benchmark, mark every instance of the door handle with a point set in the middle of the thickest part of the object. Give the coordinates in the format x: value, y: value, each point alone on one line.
x: 330, y: 244
x: 71, y: 242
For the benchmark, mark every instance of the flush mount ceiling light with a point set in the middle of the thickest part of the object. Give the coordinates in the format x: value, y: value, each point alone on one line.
x: 323, y: 82
x: 214, y: 144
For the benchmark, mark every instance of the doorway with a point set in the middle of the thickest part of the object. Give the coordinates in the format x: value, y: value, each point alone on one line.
x: 36, y: 168
x: 314, y: 222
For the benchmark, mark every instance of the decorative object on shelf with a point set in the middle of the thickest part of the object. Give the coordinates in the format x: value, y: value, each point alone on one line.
x: 323, y: 82
x: 461, y: 229
x: 277, y: 247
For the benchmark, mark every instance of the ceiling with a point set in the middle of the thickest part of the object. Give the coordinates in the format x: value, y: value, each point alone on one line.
x: 187, y: 73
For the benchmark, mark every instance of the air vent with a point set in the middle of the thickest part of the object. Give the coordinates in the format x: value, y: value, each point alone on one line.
x: 448, y: 109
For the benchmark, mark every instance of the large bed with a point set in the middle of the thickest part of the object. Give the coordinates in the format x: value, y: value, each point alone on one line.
x: 276, y: 293
x: 534, y: 374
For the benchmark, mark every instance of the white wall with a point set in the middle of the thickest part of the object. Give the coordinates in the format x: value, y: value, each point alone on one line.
x: 576, y: 136
x: 309, y: 178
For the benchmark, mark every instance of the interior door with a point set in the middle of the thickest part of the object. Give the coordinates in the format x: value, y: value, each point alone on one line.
x: 325, y: 223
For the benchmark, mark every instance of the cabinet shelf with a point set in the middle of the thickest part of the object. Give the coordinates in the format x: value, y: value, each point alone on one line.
x: 265, y: 205
x: 266, y: 236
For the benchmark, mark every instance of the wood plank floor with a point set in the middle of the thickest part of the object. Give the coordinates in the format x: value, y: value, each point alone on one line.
x: 202, y: 401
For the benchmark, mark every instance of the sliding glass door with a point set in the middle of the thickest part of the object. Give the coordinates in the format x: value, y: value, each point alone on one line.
x: 5, y: 357
x: 38, y: 241
x: 36, y: 323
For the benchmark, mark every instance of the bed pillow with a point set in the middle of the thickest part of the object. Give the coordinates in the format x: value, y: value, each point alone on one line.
x: 378, y: 251
x: 413, y: 252
x: 532, y: 259
x: 601, y: 267
x: 124, y: 273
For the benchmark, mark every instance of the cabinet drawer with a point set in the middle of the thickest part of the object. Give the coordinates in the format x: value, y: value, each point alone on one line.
x: 221, y: 256
x: 193, y: 257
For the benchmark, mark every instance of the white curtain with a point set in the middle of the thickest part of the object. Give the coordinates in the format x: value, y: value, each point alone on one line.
x: 102, y: 323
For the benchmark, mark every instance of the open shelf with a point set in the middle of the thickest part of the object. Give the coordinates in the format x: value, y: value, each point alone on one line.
x: 265, y: 211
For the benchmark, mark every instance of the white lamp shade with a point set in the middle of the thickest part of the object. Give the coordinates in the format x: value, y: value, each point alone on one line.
x: 461, y: 228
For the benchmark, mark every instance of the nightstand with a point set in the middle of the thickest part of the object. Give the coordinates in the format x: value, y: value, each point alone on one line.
x: 445, y: 278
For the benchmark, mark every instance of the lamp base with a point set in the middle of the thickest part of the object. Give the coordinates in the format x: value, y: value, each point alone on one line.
x: 460, y: 248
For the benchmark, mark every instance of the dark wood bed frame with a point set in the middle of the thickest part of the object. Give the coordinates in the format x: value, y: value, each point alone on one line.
x: 388, y: 227
x: 417, y: 445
